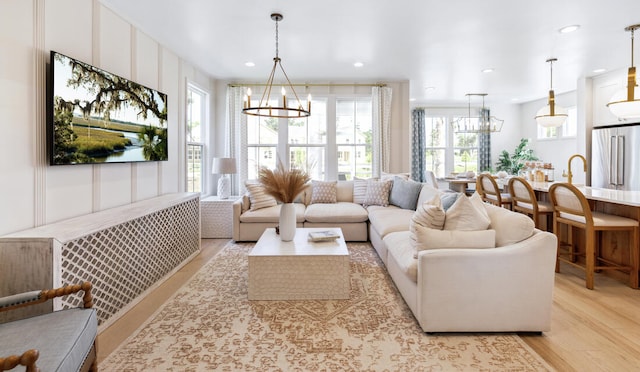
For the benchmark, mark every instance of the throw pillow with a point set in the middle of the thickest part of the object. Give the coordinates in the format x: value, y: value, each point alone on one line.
x: 258, y: 197
x: 404, y: 193
x: 324, y: 192
x: 463, y: 215
x: 359, y: 190
x: 389, y: 176
x: 448, y: 198
x: 430, y: 214
x: 423, y: 238
x: 377, y: 193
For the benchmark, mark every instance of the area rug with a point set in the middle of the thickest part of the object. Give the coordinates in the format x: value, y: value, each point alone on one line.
x: 210, y: 325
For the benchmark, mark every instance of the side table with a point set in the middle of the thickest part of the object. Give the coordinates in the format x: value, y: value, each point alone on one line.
x: 216, y: 217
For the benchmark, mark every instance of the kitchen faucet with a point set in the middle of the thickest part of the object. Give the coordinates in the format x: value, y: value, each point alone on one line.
x: 570, y: 174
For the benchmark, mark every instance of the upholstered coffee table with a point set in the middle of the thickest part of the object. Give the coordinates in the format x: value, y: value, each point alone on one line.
x: 299, y: 269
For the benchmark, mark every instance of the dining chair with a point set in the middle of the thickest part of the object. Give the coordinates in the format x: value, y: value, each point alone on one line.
x: 571, y: 208
x: 523, y: 200
x: 431, y: 179
x: 491, y: 193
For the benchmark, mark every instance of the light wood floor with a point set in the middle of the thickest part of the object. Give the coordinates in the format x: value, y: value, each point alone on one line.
x: 591, y: 330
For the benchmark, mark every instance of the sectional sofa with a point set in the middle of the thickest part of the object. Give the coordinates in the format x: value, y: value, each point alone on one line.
x: 498, y: 279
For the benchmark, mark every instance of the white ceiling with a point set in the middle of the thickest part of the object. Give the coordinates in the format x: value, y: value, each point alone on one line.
x: 440, y: 44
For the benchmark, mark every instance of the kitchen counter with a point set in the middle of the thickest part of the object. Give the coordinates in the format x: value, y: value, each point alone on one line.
x: 630, y: 198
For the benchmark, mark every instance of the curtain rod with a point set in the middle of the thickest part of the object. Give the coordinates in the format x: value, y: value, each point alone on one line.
x: 234, y: 85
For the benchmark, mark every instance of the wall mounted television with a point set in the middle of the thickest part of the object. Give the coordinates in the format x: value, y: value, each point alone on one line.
x: 99, y: 117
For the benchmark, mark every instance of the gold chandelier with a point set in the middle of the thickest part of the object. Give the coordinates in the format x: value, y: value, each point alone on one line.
x: 625, y: 104
x: 286, y: 109
x: 484, y: 123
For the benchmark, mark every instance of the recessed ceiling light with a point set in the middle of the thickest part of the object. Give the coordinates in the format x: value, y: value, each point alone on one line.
x: 567, y: 29
x: 249, y: 64
x: 599, y: 70
x: 429, y: 89
x: 358, y: 64
x: 487, y: 70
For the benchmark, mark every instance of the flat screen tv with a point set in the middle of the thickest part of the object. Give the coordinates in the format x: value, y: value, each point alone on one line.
x: 99, y: 117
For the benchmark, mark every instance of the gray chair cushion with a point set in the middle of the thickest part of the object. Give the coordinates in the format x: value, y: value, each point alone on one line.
x: 63, y: 338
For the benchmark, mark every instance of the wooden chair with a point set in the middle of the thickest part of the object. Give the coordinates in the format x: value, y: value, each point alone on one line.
x: 36, y: 342
x: 524, y: 200
x: 571, y: 208
x: 488, y: 189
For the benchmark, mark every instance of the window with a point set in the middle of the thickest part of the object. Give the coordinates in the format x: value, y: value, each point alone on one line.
x: 354, y: 134
x: 568, y: 129
x: 342, y: 124
x: 197, y: 108
x: 447, y: 151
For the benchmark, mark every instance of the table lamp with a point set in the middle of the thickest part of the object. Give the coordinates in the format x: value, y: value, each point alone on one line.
x: 225, y: 167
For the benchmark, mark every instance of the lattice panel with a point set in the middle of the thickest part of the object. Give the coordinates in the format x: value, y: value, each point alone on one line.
x: 124, y: 260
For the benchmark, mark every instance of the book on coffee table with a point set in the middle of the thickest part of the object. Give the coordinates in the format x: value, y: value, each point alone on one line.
x: 323, y: 236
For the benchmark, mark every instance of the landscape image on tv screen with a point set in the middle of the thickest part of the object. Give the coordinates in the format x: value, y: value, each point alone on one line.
x: 99, y: 117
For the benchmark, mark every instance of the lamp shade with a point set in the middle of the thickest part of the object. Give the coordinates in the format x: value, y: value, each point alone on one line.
x: 224, y: 166
x: 545, y: 119
x: 624, y: 108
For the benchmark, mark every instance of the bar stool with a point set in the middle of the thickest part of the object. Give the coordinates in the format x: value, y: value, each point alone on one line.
x: 571, y: 208
x: 490, y: 192
x: 524, y: 200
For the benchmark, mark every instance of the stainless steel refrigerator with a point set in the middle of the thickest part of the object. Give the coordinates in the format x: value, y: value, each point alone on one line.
x: 615, y: 157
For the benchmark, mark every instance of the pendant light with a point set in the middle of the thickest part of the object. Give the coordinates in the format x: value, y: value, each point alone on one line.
x: 286, y: 109
x: 484, y: 123
x: 551, y: 115
x: 625, y: 104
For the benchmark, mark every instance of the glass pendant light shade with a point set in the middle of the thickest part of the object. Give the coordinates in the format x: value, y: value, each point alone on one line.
x: 625, y: 104
x: 622, y: 107
x: 545, y: 119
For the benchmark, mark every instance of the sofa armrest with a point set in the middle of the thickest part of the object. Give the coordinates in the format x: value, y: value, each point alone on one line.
x: 237, y: 211
x: 505, y: 287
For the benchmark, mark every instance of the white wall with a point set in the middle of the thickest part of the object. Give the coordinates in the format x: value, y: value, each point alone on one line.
x: 32, y: 193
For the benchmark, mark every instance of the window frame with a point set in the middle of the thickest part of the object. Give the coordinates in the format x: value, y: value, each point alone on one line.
x: 190, y: 172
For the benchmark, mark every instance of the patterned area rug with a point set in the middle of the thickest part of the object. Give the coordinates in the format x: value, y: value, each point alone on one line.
x: 211, y: 325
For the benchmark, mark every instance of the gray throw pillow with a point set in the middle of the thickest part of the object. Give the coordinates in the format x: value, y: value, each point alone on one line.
x: 448, y: 198
x: 404, y: 193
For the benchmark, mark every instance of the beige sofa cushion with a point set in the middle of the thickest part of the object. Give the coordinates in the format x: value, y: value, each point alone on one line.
x: 399, y: 246
x: 337, y: 212
x: 389, y: 219
x: 271, y: 214
x: 511, y: 227
x: 423, y: 238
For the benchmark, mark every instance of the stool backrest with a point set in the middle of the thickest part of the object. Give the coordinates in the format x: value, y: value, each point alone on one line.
x: 489, y: 188
x: 522, y: 195
x: 569, y: 204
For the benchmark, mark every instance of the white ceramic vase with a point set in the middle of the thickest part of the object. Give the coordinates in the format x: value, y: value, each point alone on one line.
x: 287, y: 221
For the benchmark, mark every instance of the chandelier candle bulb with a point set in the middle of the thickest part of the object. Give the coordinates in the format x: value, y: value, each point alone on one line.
x: 284, y: 97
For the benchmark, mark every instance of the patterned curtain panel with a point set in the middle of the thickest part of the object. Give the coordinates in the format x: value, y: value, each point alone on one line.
x: 381, y: 102
x: 484, y: 145
x: 236, y: 132
x: 418, y: 161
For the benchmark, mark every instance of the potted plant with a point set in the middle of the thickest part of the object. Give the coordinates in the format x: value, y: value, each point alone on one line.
x: 513, y: 163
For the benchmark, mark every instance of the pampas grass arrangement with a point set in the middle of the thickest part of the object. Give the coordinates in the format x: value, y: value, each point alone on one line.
x: 284, y: 185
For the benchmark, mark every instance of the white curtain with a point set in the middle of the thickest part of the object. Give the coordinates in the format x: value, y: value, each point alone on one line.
x: 236, y: 132
x: 381, y: 102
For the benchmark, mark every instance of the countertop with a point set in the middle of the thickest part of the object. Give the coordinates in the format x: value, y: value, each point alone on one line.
x: 631, y: 198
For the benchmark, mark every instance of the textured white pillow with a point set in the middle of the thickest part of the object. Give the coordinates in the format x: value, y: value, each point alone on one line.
x: 429, y: 214
x: 378, y: 193
x: 324, y: 192
x: 511, y: 227
x: 424, y: 238
x: 258, y: 197
x: 463, y: 215
x: 359, y: 190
